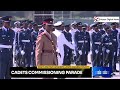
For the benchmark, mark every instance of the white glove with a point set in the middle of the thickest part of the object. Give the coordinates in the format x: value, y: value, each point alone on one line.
x: 31, y: 53
x: 107, y: 51
x: 96, y: 51
x: 118, y: 54
x: 80, y: 52
x: 22, y: 52
x: 114, y: 53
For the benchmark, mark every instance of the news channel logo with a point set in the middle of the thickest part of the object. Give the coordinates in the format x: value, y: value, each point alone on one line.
x: 104, y: 72
x: 106, y: 19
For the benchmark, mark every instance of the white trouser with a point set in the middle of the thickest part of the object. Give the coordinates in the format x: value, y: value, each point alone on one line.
x: 60, y: 59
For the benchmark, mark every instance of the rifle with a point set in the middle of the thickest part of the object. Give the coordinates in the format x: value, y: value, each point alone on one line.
x: 22, y: 58
x: 96, y: 57
x: 106, y: 58
x: 99, y: 49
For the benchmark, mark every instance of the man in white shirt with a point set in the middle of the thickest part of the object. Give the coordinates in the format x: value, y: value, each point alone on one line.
x: 118, y: 27
x: 17, y: 26
x: 61, y: 40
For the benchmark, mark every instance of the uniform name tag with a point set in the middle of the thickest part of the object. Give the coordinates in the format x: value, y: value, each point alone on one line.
x: 97, y: 42
x: 25, y: 40
x: 3, y: 35
x: 82, y: 41
x: 108, y: 43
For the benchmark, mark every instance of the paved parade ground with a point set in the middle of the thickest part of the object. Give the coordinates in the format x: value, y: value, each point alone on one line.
x: 117, y: 76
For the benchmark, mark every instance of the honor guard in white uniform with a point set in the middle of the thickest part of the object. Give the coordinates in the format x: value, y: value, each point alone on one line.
x: 90, y: 33
x: 17, y: 26
x: 15, y: 48
x: 61, y: 41
x: 91, y: 29
x: 72, y: 31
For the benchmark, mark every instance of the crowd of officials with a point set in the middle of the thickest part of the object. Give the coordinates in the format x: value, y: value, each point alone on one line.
x: 28, y: 44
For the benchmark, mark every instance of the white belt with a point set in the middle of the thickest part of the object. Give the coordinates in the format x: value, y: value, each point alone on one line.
x: 108, y: 43
x: 97, y: 42
x: 5, y: 46
x: 82, y: 41
x: 25, y: 40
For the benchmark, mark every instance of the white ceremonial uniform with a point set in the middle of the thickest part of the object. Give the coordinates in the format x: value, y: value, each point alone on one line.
x: 72, y: 31
x: 118, y: 29
x: 118, y: 38
x: 91, y: 31
x: 16, y: 29
x: 90, y: 53
x: 61, y: 40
